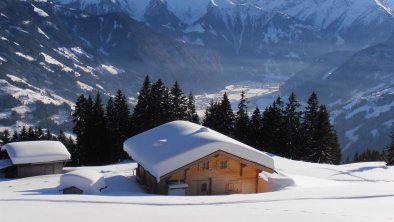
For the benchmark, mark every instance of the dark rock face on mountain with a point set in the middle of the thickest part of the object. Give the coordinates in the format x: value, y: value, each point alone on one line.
x: 54, y: 53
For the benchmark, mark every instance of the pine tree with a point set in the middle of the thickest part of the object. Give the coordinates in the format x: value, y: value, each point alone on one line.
x: 31, y: 134
x: 79, y: 129
x: 327, y: 149
x: 219, y: 116
x: 178, y: 103
x: 118, y: 125
x: 273, y: 129
x: 98, y: 141
x: 355, y: 156
x: 309, y: 128
x: 61, y: 137
x: 78, y: 116
x: 160, y: 104
x: 389, y: 151
x: 241, y: 126
x: 91, y: 130
x: 123, y: 113
x: 112, y: 128
x: 255, y: 136
x: 5, y: 137
x: 141, y: 117
x: 90, y: 153
x: 293, y: 131
x: 84, y: 128
x: 123, y: 125
x: 15, y: 137
x: 369, y: 156
x: 211, y: 118
x: 227, y: 116
x: 191, y: 114
x: 321, y: 141
x: 23, y: 134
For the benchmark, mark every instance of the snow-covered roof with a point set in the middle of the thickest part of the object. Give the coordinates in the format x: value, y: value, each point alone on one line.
x: 168, y: 147
x: 89, y: 181
x: 36, y: 152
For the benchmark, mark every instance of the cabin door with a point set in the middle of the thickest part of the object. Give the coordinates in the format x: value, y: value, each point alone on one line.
x: 203, y: 187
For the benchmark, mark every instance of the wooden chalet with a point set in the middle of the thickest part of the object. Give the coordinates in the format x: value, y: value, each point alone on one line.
x: 32, y: 158
x: 183, y: 158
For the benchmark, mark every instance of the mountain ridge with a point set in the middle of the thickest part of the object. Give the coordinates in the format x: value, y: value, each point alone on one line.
x: 88, y: 46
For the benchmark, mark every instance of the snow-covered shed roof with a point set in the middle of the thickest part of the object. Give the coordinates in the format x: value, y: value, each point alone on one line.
x: 89, y: 181
x: 36, y: 152
x: 173, y: 145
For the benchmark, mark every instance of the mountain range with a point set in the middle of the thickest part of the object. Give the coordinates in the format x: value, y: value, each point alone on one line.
x: 53, y: 50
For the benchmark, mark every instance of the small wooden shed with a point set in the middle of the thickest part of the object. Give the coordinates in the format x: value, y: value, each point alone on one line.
x: 184, y: 158
x: 82, y: 181
x: 33, y: 158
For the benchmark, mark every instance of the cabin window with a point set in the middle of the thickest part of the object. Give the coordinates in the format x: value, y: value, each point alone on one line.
x: 223, y: 164
x: 205, y: 165
x: 233, y: 187
x: 241, y: 172
x: 204, y: 187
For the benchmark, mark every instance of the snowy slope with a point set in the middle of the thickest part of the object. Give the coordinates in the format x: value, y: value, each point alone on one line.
x: 356, y: 192
x: 365, y: 122
x: 50, y: 54
x: 359, y: 91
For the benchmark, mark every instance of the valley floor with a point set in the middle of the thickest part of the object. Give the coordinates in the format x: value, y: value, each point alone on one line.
x: 354, y: 192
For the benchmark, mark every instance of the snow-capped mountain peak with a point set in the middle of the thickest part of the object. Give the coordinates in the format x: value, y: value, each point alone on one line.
x: 89, y: 45
x: 325, y: 13
x: 321, y: 13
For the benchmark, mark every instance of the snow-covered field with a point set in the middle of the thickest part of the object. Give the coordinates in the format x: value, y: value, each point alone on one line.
x: 355, y: 192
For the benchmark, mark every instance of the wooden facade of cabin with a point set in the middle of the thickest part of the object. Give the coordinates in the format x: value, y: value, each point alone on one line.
x: 34, y: 169
x: 216, y: 174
